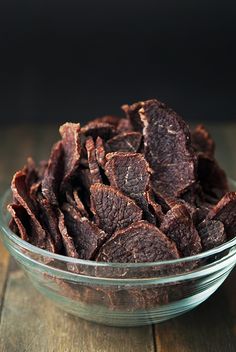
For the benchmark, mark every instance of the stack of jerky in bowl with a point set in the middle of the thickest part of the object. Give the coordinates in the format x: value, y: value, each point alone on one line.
x: 137, y: 189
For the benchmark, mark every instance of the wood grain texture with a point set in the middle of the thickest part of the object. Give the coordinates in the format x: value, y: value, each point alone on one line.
x: 32, y: 323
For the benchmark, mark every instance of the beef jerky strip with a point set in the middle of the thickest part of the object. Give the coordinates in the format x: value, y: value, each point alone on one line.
x: 212, y: 178
x: 53, y: 174
x: 129, y: 173
x: 111, y: 119
x: 178, y: 226
x: 112, y: 209
x: 154, y: 207
x: 202, y: 141
x: 70, y: 133
x: 124, y: 125
x: 100, y: 152
x: 20, y: 193
x: 31, y: 173
x: 19, y: 215
x: 67, y: 239
x: 124, y: 142
x: 87, y: 237
x: 225, y: 211
x: 103, y: 129
x: 75, y: 201
x: 212, y: 233
x: 139, y: 243
x: 167, y: 147
x: 132, y: 114
x: 92, y: 160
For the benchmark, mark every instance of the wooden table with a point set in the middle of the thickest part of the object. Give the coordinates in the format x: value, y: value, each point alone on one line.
x: 29, y: 322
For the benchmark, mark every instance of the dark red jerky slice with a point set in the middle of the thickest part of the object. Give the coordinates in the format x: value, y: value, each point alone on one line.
x: 41, y: 238
x: 68, y: 241
x: 19, y: 215
x: 212, y: 178
x: 225, y: 211
x: 111, y: 119
x: 70, y: 133
x: 124, y: 142
x: 168, y: 148
x: 49, y: 218
x: 31, y: 172
x: 178, y: 225
x: 154, y: 207
x: 139, y: 243
x: 112, y: 209
x: 212, y: 234
x: 124, y: 125
x: 92, y: 160
x: 132, y: 114
x: 100, y: 152
x: 76, y: 202
x: 86, y: 235
x: 202, y: 141
x: 53, y: 174
x: 128, y: 172
x: 103, y: 129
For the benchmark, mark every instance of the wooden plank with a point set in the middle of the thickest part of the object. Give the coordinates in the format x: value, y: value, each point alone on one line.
x: 31, y: 323
x: 210, y: 327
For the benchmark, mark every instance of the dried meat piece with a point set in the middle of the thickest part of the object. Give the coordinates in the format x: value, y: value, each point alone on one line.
x: 67, y: 239
x: 178, y: 225
x: 139, y: 243
x: 74, y: 200
x: 132, y: 114
x: 124, y: 125
x: 100, y: 152
x: 87, y: 237
x: 111, y: 119
x: 112, y: 209
x: 124, y: 142
x: 154, y: 207
x: 225, y: 211
x: 212, y: 178
x: 92, y: 160
x: 202, y: 141
x: 70, y: 133
x: 129, y: 173
x: 167, y: 148
x: 31, y: 172
x: 19, y: 216
x: 103, y: 129
x: 19, y: 189
x: 53, y: 174
x: 212, y: 233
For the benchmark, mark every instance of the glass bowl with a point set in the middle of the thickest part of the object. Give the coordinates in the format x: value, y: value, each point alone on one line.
x: 120, y: 294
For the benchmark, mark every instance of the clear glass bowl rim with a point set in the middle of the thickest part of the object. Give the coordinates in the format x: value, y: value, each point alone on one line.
x: 44, y: 253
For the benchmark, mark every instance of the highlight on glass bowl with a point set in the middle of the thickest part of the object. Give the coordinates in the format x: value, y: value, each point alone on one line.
x: 130, y: 221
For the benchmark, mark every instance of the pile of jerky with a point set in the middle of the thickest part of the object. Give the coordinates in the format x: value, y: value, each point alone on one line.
x: 140, y: 188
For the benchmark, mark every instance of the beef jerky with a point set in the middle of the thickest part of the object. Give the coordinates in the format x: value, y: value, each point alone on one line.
x: 70, y: 133
x: 100, y: 152
x: 211, y: 177
x: 86, y: 235
x: 112, y: 209
x: 19, y: 189
x: 178, y: 226
x: 202, y: 141
x: 124, y: 125
x: 111, y: 119
x: 129, y: 173
x: 19, y: 215
x: 92, y: 160
x: 139, y: 243
x: 75, y: 201
x: 212, y: 233
x: 53, y: 174
x: 67, y: 239
x: 225, y: 211
x: 103, y: 129
x: 30, y: 172
x: 132, y: 114
x: 154, y: 207
x: 124, y: 142
x: 167, y: 147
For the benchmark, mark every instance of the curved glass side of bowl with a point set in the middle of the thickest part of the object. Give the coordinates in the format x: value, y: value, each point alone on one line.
x: 121, y: 294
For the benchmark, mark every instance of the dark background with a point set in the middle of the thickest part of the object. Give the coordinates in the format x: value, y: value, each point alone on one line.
x: 74, y: 60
